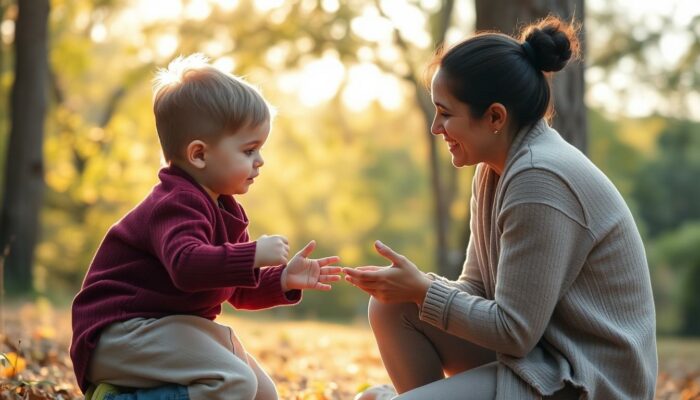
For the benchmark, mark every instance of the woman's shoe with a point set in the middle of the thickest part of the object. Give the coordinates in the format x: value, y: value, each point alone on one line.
x: 377, y: 392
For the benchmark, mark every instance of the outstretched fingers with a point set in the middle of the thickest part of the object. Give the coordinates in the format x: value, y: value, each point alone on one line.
x: 388, y: 253
x: 363, y: 284
x: 322, y: 262
x: 370, y: 268
x: 362, y: 279
x: 308, y: 249
x: 328, y: 278
x: 364, y: 274
x: 332, y: 270
x: 322, y: 286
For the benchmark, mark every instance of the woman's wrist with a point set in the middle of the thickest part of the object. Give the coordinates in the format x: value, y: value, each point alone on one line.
x: 423, y: 287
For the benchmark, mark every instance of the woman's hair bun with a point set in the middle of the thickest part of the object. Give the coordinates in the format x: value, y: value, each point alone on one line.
x: 550, y: 43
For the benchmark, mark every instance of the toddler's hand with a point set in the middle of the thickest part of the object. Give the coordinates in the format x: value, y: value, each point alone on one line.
x: 310, y: 273
x: 271, y: 250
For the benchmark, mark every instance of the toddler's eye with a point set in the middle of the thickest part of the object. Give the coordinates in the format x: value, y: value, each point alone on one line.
x: 249, y: 152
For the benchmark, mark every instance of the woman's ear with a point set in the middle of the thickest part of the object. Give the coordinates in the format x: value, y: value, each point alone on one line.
x: 497, y: 115
x: 195, y: 154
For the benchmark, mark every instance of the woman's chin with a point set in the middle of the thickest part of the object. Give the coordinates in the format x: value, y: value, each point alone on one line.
x: 458, y: 161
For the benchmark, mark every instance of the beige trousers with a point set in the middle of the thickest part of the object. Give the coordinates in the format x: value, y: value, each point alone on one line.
x: 203, y: 355
x: 425, y: 362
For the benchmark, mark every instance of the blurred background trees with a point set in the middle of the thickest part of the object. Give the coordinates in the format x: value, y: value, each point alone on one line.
x: 24, y: 183
x: 351, y: 159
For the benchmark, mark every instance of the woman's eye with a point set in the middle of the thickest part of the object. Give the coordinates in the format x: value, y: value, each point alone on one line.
x: 442, y: 112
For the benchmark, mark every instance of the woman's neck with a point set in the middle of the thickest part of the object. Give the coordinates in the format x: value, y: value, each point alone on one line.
x: 499, y: 157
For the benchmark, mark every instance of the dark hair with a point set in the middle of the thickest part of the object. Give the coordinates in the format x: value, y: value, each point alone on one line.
x: 496, y: 68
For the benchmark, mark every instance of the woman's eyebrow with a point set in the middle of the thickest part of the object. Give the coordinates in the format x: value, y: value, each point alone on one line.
x: 441, y: 105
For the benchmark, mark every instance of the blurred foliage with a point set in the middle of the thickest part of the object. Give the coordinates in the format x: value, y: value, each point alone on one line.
x: 343, y: 174
x: 675, y: 260
x: 666, y: 186
x: 660, y: 183
x: 327, y: 166
x: 649, y: 59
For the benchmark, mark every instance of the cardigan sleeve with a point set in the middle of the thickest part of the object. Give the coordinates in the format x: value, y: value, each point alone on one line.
x: 268, y: 294
x: 542, y: 250
x: 180, y: 231
x: 469, y: 280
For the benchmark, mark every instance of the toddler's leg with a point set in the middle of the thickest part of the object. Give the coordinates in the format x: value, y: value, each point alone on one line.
x: 266, y: 387
x: 181, y: 349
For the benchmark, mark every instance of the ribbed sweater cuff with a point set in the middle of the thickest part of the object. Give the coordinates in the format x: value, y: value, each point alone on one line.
x: 432, y: 276
x: 271, y: 286
x: 240, y: 265
x: 436, y: 304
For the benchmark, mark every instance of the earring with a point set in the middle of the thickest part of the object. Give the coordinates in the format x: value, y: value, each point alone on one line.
x: 496, y: 132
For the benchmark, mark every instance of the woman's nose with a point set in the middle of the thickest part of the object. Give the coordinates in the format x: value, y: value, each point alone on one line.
x: 436, y: 127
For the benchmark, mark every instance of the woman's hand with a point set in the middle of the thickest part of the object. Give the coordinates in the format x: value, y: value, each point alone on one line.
x: 401, y: 282
x: 307, y: 273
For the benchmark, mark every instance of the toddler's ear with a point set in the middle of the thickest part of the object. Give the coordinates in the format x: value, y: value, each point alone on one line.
x: 195, y: 154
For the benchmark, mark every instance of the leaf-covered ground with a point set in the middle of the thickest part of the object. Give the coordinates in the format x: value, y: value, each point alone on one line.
x: 307, y: 360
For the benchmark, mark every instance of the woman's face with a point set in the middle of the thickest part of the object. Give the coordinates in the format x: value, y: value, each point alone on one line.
x: 470, y: 139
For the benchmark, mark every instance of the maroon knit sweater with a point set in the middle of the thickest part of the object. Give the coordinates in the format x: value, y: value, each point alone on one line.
x: 175, y: 253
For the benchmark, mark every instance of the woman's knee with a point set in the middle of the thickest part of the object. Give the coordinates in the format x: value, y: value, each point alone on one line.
x: 376, y: 311
x: 380, y: 314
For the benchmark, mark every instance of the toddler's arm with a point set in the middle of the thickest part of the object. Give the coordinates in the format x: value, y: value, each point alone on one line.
x: 268, y: 294
x: 180, y: 229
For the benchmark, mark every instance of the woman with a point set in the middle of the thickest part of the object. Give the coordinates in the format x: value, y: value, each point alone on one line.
x: 555, y: 299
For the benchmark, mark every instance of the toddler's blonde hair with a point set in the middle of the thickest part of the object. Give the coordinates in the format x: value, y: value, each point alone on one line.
x: 194, y: 100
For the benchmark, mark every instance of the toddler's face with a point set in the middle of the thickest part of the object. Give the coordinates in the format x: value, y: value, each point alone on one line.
x: 234, y: 162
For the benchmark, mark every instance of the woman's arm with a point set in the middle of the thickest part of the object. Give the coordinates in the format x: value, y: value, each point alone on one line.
x: 469, y: 280
x: 541, y: 252
x: 542, y: 248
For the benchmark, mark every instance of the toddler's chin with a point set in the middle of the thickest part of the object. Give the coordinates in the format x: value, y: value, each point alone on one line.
x: 241, y: 190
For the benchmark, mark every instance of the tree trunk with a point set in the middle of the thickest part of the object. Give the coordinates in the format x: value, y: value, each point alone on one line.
x: 439, y: 183
x: 442, y: 198
x: 509, y: 16
x: 24, y: 166
x: 440, y: 175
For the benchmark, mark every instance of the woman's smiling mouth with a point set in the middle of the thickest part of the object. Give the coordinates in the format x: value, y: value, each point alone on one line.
x: 451, y: 144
